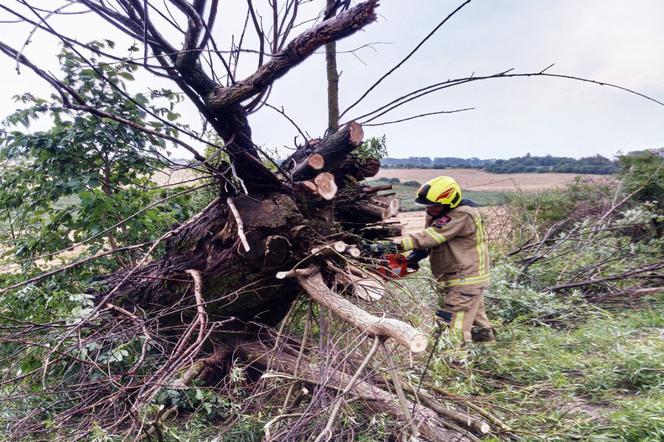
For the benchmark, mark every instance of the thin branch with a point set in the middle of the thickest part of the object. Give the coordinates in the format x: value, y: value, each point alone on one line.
x: 410, y: 54
x: 384, y: 123
x: 71, y: 266
x: 326, y: 434
x: 239, y: 223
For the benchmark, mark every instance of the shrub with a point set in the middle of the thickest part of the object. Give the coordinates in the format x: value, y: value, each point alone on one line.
x: 411, y: 183
x: 643, y: 173
x: 577, y: 201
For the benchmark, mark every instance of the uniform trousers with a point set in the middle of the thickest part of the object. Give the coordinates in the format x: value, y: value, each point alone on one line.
x: 463, y: 310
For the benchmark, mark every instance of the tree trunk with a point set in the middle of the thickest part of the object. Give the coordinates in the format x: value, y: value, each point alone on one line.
x: 332, y: 75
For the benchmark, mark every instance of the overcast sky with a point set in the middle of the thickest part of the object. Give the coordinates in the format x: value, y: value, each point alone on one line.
x: 616, y: 41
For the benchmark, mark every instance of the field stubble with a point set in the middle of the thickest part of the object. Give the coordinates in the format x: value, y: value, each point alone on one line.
x: 482, y: 181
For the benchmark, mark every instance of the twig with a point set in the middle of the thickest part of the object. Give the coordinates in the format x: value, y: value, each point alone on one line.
x: 410, y: 54
x: 385, y: 123
x: 623, y: 275
x: 71, y: 266
x: 399, y: 390
x: 240, y: 224
x: 490, y: 417
x: 300, y: 354
x: 266, y: 427
x: 326, y: 434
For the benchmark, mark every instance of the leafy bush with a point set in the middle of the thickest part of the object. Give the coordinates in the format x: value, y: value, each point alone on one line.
x: 638, y: 420
x: 508, y: 301
x: 643, y: 173
x: 374, y: 148
x: 577, y: 201
x: 411, y: 183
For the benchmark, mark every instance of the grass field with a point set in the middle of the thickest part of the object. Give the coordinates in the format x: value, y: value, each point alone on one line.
x: 406, y: 195
x: 480, y: 180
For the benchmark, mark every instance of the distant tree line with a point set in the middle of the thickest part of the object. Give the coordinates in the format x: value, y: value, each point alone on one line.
x: 434, y: 163
x: 528, y: 163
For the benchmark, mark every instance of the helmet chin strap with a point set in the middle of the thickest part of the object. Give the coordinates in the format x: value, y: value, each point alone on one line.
x: 445, y: 210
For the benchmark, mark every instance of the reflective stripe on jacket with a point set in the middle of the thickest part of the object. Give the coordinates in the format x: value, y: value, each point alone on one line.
x: 459, y: 255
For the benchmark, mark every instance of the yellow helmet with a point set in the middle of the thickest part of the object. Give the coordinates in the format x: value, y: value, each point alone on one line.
x: 440, y: 191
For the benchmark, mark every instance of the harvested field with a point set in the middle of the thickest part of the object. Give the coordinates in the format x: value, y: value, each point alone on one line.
x: 480, y: 180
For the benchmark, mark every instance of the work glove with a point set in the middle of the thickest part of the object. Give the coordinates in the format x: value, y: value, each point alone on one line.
x: 380, y: 248
x: 415, y: 257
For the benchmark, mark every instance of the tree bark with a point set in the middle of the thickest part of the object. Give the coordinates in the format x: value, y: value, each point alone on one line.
x: 332, y: 75
x: 297, y: 50
x: 401, y: 332
x: 334, y: 149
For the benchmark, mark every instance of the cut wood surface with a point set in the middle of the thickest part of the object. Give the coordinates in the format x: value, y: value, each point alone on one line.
x: 325, y: 185
x: 316, y: 161
x: 297, y: 50
x: 333, y: 149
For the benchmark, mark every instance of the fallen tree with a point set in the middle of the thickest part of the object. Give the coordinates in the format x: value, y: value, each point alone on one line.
x: 233, y: 271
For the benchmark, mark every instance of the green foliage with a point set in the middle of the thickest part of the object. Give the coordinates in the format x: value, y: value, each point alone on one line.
x: 83, y: 174
x: 600, y: 380
x: 374, y: 148
x: 643, y: 173
x: 638, y: 419
x: 576, y: 201
x: 509, y: 301
x: 589, y: 165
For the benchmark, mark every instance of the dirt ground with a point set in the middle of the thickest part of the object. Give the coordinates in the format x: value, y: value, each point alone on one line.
x: 480, y: 180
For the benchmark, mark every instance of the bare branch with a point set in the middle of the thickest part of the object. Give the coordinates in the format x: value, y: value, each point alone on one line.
x: 300, y: 48
x: 410, y: 54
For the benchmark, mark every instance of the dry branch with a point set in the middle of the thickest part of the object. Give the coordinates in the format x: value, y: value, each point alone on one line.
x: 401, y: 332
x: 379, y: 400
x: 239, y: 223
x: 297, y: 50
x: 327, y: 431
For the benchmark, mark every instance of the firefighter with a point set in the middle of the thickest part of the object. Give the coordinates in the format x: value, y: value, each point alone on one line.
x: 454, y: 240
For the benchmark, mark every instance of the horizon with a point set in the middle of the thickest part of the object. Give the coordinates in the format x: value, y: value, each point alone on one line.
x: 605, y: 40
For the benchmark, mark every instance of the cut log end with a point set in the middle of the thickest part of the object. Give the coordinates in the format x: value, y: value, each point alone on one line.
x: 355, y: 133
x: 316, y: 161
x: 309, y: 185
x: 340, y: 246
x: 418, y: 343
x: 354, y: 251
x: 325, y: 185
x: 392, y: 209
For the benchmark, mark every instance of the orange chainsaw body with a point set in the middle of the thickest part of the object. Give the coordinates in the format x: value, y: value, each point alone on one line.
x: 397, y: 267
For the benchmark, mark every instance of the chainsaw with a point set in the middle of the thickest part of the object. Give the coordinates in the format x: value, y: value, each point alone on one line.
x: 395, y: 265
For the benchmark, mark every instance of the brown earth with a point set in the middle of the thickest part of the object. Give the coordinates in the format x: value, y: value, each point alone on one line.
x: 480, y: 180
